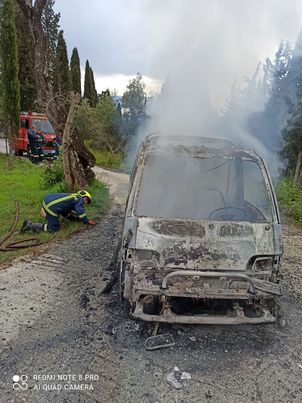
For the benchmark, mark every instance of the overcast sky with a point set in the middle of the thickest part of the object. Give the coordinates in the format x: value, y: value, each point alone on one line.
x: 223, y: 39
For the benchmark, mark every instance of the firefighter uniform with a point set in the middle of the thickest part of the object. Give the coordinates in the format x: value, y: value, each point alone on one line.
x: 56, y: 204
x: 40, y: 143
x: 64, y: 204
x: 33, y: 145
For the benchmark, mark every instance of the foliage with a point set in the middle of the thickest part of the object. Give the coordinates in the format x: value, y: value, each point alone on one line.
x: 62, y: 66
x: 94, y: 94
x: 290, y: 198
x: 53, y: 175
x: 50, y: 26
x: 134, y: 105
x: 292, y: 132
x: 9, y: 66
x: 98, y: 125
x: 89, y: 86
x: 292, y: 142
x: 24, y: 183
x: 75, y: 71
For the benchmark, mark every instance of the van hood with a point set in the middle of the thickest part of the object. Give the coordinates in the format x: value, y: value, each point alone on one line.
x: 209, y: 245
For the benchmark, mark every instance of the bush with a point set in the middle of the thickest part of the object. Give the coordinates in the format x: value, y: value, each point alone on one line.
x: 290, y: 198
x: 53, y: 175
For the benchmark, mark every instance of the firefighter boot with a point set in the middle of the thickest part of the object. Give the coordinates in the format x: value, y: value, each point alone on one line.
x: 31, y: 226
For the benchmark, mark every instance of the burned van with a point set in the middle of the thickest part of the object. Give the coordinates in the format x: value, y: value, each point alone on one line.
x: 202, y: 238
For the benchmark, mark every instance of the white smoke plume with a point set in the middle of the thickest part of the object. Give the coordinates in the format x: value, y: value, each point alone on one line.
x: 201, y: 47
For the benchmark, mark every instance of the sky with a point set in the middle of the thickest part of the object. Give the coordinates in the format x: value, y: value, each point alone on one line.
x: 212, y: 42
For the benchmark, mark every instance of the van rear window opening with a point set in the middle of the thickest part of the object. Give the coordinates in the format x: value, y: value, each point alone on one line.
x: 216, y: 189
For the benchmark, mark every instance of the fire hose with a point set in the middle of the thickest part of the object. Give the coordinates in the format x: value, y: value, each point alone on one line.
x: 24, y: 243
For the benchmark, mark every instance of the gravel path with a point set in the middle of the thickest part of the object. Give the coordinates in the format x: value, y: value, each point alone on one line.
x: 55, y: 323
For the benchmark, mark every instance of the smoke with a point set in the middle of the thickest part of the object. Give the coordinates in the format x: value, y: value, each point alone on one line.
x: 201, y: 47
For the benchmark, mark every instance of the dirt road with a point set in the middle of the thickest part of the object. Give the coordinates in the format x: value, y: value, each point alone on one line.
x: 58, y: 330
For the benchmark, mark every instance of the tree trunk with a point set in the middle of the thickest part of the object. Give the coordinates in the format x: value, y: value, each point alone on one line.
x: 77, y: 159
x: 298, y: 170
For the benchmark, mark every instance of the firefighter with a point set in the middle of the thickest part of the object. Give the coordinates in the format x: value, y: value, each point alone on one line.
x: 56, y: 204
x: 40, y: 143
x: 33, y: 145
x: 56, y: 146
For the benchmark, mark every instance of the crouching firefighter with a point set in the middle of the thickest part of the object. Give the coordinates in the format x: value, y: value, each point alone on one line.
x: 60, y: 204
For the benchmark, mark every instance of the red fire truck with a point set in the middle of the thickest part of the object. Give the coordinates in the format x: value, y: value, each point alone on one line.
x: 28, y: 120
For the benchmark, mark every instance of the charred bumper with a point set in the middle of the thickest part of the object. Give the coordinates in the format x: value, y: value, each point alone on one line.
x: 204, y: 319
x: 233, y: 287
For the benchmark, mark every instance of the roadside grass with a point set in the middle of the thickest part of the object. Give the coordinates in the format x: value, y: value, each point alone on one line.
x: 24, y: 183
x: 290, y: 199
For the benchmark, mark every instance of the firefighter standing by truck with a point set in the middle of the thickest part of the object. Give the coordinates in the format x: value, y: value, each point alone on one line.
x: 64, y: 204
x: 33, y: 145
x: 40, y: 143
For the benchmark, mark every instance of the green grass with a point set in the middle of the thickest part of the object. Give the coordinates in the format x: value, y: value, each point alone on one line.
x: 24, y: 183
x: 290, y: 199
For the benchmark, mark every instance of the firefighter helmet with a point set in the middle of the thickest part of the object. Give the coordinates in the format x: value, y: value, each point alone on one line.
x: 84, y: 193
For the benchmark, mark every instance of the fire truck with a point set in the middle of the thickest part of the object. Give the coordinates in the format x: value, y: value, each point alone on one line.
x: 29, y: 120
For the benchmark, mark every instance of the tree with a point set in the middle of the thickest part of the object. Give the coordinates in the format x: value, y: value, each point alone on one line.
x: 292, y: 132
x: 89, y: 86
x: 9, y: 68
x: 99, y: 124
x: 43, y: 25
x: 75, y: 71
x: 62, y: 65
x: 134, y: 104
x: 26, y: 61
x: 77, y: 159
x: 268, y: 124
x: 94, y: 94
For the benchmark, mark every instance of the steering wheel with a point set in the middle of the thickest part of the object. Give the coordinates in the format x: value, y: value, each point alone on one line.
x: 228, y: 214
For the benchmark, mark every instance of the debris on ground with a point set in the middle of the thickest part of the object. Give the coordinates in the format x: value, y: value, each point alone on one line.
x: 185, y: 376
x: 173, y: 381
x: 176, y: 377
x: 159, y: 341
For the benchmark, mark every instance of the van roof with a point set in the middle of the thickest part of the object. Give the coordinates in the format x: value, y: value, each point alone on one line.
x: 194, y: 145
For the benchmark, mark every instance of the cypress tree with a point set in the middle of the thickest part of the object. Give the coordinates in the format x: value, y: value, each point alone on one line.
x: 9, y: 67
x: 94, y: 94
x: 26, y: 61
x: 75, y: 71
x: 63, y: 74
x: 89, y: 86
x: 87, y: 82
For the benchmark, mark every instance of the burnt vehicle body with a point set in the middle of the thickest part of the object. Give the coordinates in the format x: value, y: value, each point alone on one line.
x: 202, y: 239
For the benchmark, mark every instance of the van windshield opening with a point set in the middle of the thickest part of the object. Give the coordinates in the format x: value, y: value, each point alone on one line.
x: 43, y: 125
x: 216, y: 189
